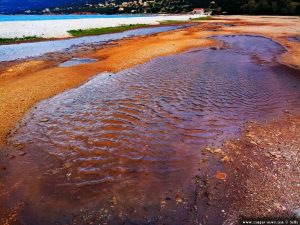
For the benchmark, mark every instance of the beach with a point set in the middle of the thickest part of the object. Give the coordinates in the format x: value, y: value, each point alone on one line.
x: 194, y: 125
x: 59, y: 28
x: 46, y: 79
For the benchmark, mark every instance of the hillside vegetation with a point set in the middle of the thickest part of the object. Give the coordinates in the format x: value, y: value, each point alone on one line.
x: 252, y: 7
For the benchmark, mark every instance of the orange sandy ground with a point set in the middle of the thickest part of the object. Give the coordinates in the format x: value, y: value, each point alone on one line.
x: 23, y: 84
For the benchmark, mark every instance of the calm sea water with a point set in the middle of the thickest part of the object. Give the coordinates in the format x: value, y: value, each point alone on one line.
x: 60, y: 17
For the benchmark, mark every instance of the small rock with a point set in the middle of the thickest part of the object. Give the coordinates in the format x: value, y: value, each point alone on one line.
x: 11, y: 156
x: 218, y: 150
x: 251, y: 136
x: 67, y: 165
x: 279, y: 206
x: 220, y: 175
x: 296, y: 213
x: 225, y: 159
x: 44, y: 120
x: 163, y: 204
x: 21, y: 153
x: 207, y: 149
x: 178, y: 199
x: 113, y: 200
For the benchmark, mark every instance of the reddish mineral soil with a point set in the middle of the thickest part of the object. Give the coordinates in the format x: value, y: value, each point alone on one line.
x: 165, y: 142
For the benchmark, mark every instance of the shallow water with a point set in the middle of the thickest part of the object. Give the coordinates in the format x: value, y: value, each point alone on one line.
x: 77, y: 61
x: 295, y: 39
x: 25, y: 50
x: 4, y: 18
x: 137, y: 135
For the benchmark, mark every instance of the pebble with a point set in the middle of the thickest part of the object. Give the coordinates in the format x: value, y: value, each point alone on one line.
x: 21, y: 153
x: 44, y: 120
x: 67, y: 165
x: 113, y: 200
x: 225, y: 159
x: 221, y: 176
x: 296, y: 213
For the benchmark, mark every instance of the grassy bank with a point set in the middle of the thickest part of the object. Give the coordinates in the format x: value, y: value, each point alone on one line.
x: 105, y: 30
x: 202, y: 18
x: 4, y: 41
x: 97, y: 31
x: 166, y: 22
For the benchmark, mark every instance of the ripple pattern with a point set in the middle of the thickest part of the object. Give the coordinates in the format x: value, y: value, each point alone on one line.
x: 150, y: 122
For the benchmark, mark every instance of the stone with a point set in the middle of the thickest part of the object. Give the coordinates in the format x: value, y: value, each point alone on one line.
x: 44, y: 120
x: 225, y: 159
x: 296, y: 213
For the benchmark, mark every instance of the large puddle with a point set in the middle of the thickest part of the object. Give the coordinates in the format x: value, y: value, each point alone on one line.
x: 113, y: 148
x: 25, y: 50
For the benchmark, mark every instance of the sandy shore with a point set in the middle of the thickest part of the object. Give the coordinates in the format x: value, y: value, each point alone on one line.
x: 261, y: 171
x: 59, y: 28
x: 24, y: 83
x: 264, y: 160
x: 268, y: 156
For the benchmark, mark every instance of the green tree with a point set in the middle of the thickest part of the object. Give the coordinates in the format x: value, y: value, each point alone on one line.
x: 263, y: 7
x: 251, y: 7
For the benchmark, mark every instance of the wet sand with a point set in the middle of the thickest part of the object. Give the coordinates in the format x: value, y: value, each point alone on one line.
x: 264, y: 161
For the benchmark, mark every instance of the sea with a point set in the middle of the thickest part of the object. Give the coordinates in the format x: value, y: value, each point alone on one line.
x: 4, y: 18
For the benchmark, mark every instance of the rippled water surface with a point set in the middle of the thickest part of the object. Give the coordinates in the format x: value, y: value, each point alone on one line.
x: 295, y: 38
x: 138, y: 134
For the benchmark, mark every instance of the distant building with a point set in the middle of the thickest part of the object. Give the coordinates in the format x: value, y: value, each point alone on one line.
x: 46, y: 10
x: 198, y: 11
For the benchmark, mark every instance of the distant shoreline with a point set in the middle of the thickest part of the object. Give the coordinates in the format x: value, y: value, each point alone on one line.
x: 58, y: 28
x: 34, y: 17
